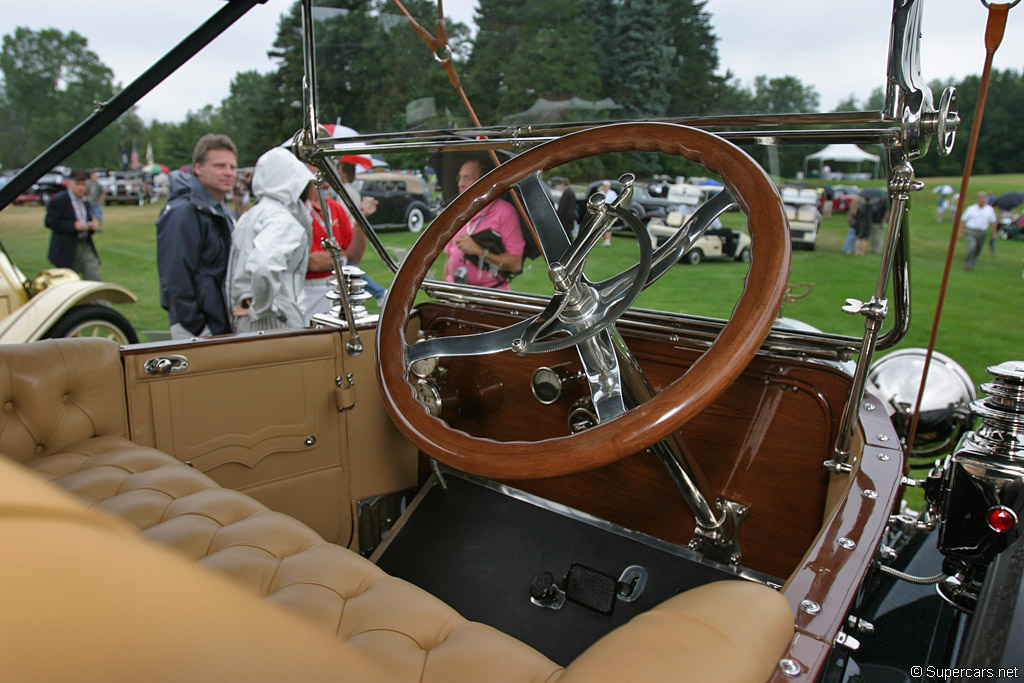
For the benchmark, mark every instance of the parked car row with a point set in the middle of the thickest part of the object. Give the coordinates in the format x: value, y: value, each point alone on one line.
x: 127, y: 187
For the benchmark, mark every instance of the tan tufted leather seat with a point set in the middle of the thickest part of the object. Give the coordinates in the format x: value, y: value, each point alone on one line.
x: 381, y: 628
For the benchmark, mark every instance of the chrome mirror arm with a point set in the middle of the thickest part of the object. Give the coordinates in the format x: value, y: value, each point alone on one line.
x: 908, y: 98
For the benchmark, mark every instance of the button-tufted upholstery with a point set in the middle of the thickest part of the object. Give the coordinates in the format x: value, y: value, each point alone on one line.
x: 83, y: 591
x: 62, y: 394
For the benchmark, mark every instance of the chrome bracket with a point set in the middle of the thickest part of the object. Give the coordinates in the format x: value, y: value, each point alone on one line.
x: 721, y: 543
x: 875, y: 309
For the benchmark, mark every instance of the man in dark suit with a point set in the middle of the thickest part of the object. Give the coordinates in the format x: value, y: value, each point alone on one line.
x: 69, y: 216
x: 567, y: 207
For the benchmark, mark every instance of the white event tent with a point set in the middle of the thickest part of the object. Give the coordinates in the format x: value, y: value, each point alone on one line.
x: 842, y: 153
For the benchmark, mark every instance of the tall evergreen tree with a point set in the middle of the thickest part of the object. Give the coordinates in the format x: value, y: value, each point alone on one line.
x: 646, y: 54
x: 542, y: 49
x: 695, y: 89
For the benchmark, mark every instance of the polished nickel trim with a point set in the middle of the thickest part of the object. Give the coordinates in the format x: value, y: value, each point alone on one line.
x: 697, y: 330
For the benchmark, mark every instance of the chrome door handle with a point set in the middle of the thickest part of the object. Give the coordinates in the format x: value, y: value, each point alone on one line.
x: 164, y: 365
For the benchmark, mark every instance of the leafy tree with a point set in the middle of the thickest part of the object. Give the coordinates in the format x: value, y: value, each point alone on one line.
x: 251, y: 115
x: 499, y: 31
x: 51, y: 81
x: 783, y: 95
x: 1001, y: 137
x: 370, y: 65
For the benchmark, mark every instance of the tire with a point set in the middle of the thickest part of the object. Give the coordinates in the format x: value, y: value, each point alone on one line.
x: 415, y: 218
x: 94, y: 320
x: 1004, y: 234
x: 744, y: 256
x: 692, y: 258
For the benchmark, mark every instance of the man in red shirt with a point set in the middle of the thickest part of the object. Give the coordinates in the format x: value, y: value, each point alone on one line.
x: 320, y: 269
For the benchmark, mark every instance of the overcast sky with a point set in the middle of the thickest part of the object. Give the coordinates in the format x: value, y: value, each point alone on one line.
x: 838, y: 46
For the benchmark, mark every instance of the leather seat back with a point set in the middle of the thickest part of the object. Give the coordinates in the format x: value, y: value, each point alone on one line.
x: 72, y: 392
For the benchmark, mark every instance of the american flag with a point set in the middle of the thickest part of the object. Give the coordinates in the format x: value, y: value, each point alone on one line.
x: 134, y: 162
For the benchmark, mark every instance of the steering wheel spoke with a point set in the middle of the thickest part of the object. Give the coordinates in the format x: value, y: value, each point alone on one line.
x: 553, y: 240
x: 479, y: 344
x: 669, y: 253
x: 601, y: 368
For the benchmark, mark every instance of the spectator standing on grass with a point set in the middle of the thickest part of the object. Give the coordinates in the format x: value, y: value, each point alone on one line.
x: 979, y: 221
x: 828, y: 197
x: 367, y: 207
x: 270, y: 247
x: 488, y: 250
x: 864, y: 223
x: 193, y: 240
x: 567, y: 207
x: 320, y: 268
x: 850, y: 245
x: 879, y: 221
x: 97, y: 196
x: 69, y: 215
x: 610, y: 195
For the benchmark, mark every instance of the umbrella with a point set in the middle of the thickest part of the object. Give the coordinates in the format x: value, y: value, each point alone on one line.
x: 1009, y: 200
x: 154, y: 169
x: 943, y: 189
x: 334, y: 130
x: 358, y: 160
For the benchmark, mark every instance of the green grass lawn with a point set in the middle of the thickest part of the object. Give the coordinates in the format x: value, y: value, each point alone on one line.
x: 980, y: 326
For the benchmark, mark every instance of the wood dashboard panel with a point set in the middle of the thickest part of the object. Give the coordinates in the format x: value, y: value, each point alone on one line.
x: 762, y: 443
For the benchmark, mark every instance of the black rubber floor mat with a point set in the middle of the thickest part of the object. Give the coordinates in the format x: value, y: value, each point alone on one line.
x: 478, y: 549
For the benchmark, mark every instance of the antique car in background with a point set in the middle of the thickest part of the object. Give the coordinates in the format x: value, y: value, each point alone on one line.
x: 127, y: 187
x: 58, y: 303
x: 403, y: 199
x: 842, y: 197
x: 548, y: 485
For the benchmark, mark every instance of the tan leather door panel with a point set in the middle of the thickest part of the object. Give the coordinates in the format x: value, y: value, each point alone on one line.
x: 258, y: 414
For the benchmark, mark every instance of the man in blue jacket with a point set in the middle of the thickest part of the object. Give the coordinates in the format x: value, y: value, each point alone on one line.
x: 69, y: 216
x: 193, y: 240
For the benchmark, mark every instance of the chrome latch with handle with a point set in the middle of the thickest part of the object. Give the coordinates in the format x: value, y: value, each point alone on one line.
x: 165, y: 365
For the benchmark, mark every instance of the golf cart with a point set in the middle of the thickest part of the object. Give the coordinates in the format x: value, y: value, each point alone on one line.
x: 717, y: 242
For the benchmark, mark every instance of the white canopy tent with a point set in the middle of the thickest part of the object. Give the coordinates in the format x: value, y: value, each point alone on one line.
x: 842, y: 153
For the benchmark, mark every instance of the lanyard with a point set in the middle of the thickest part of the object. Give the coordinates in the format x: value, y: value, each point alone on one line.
x: 79, y: 206
x: 479, y: 217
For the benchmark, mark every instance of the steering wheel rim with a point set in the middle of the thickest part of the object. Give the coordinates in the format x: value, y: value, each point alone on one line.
x: 676, y: 404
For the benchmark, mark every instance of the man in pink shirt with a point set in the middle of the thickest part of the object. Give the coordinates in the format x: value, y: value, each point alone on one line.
x: 486, y: 260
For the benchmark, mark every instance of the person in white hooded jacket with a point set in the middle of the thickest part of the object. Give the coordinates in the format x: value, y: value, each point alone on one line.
x: 270, y: 247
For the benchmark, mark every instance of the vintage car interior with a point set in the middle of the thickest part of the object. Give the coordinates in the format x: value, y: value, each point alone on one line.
x: 484, y: 485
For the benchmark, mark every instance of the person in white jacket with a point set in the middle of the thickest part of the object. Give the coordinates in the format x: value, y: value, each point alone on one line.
x: 270, y: 247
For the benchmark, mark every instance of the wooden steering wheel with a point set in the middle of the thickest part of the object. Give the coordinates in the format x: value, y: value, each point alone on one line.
x: 642, y: 426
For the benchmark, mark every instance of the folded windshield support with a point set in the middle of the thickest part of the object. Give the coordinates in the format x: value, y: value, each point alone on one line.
x: 108, y: 112
x: 908, y: 100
